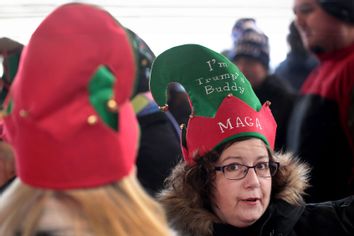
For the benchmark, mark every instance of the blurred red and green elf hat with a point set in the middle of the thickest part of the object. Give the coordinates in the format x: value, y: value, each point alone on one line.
x: 224, y: 105
x: 69, y: 118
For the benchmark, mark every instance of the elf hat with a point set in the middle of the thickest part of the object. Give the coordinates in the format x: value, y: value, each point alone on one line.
x: 224, y: 106
x: 341, y: 9
x: 69, y: 116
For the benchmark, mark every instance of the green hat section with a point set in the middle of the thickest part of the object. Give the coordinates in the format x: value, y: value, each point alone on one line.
x: 100, y: 90
x: 206, y: 75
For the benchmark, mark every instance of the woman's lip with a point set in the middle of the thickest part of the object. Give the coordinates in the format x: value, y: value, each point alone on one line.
x: 250, y: 198
x: 250, y: 201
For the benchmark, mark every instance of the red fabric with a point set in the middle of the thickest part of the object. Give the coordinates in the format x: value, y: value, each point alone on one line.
x: 1, y: 130
x: 334, y: 80
x: 234, y: 117
x: 54, y: 144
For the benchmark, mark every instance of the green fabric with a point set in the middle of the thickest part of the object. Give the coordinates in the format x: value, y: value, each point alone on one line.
x: 101, y: 91
x: 210, y: 77
x: 9, y: 106
x: 10, y: 66
x: 12, y: 61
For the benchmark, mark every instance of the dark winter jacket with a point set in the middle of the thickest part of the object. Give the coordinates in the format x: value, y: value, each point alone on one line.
x: 282, y: 99
x: 282, y: 218
x: 159, y: 149
x: 286, y: 214
x: 295, y: 68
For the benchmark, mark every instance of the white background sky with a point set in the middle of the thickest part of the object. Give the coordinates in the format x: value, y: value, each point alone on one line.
x: 166, y: 23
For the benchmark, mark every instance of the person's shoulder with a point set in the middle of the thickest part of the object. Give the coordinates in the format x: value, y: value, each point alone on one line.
x: 329, y: 218
x: 338, y: 209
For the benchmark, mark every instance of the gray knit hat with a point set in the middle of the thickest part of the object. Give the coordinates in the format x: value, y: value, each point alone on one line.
x: 252, y: 44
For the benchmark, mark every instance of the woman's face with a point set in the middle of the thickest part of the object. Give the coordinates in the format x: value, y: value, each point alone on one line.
x: 242, y: 202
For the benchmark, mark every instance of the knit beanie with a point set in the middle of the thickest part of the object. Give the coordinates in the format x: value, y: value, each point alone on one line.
x: 341, y: 9
x: 224, y: 105
x: 240, y: 26
x: 252, y: 44
x: 69, y: 117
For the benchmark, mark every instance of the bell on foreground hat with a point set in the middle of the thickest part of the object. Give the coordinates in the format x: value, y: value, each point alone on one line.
x: 69, y: 117
x: 223, y: 103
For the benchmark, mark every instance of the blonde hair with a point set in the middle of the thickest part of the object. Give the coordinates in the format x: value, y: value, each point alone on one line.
x: 121, y: 208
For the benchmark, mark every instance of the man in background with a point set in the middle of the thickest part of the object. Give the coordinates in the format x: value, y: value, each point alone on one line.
x: 322, y: 125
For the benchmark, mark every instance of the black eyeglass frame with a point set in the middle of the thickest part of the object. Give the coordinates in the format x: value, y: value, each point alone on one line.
x: 276, y: 165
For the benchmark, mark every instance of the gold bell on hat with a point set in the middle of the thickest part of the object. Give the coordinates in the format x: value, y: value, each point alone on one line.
x: 92, y: 119
x: 112, y: 105
x: 23, y: 113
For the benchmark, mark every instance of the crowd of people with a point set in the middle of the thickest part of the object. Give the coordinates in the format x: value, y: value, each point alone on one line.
x: 113, y: 140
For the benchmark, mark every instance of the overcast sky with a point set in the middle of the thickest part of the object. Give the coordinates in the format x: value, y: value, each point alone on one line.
x: 166, y: 23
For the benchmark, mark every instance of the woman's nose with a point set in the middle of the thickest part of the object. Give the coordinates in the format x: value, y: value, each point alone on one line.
x: 251, y: 180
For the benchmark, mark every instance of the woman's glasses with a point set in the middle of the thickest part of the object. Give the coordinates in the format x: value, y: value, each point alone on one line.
x: 236, y: 171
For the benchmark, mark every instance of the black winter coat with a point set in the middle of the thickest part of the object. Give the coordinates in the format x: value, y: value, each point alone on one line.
x: 282, y: 219
x: 159, y: 149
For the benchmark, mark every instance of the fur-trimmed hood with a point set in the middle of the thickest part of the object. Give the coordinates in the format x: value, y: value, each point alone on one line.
x: 189, y: 217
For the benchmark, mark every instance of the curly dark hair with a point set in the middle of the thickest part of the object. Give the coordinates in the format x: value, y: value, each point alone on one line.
x: 195, y: 182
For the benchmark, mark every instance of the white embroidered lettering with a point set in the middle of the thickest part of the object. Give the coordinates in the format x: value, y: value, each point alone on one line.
x: 227, y: 126
x: 248, y: 121
x: 208, y: 89
x: 239, y: 122
x: 258, y: 124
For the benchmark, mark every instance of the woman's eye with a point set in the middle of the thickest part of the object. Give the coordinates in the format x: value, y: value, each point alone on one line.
x: 262, y: 166
x: 233, y: 167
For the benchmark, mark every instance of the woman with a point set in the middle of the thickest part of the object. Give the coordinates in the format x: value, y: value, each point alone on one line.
x: 74, y: 133
x: 231, y: 182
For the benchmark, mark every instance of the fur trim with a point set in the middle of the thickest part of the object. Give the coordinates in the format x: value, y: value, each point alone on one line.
x: 187, y: 215
x: 292, y: 177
